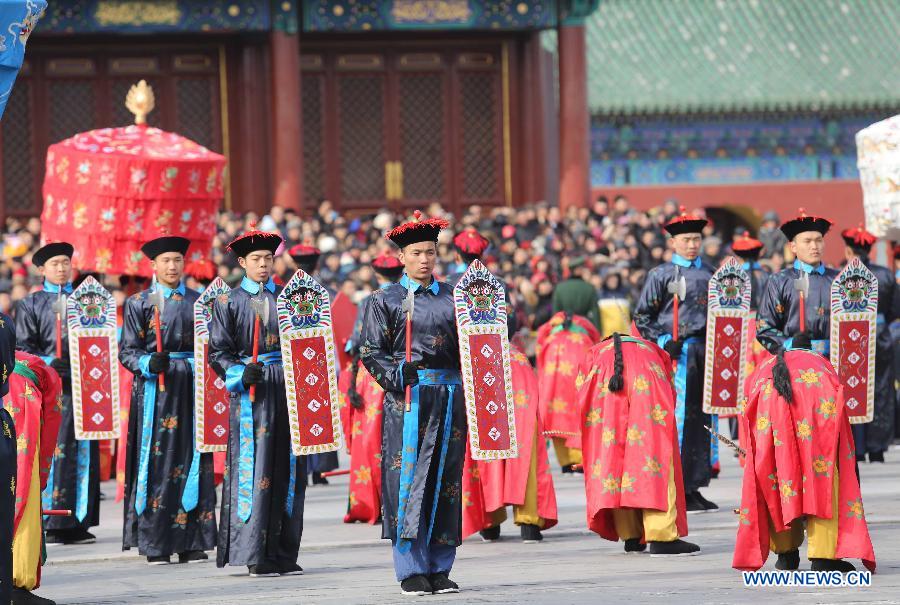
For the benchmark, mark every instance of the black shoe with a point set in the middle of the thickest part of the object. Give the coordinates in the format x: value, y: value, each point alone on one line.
x: 54, y: 537
x: 290, y: 569
x: 876, y: 456
x: 263, y: 570
x: 567, y: 469
x: 20, y: 596
x: 860, y: 457
x: 441, y: 584
x: 416, y: 586
x: 676, y: 548
x: 789, y: 560
x: 318, y: 479
x: 831, y: 565
x: 160, y: 560
x: 192, y: 556
x: 634, y: 545
x: 78, y: 536
x: 490, y: 534
x: 693, y: 505
x: 707, y: 505
x: 531, y: 534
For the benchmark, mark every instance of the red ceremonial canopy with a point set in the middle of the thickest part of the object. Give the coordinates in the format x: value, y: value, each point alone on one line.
x: 108, y: 191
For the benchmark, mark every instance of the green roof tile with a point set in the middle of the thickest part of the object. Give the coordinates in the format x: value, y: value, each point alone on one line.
x: 668, y: 56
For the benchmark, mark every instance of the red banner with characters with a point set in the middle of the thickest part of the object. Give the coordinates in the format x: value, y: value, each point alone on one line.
x: 91, y: 319
x: 310, y: 366
x: 854, y: 313
x: 485, y: 364
x: 726, y: 337
x: 211, y: 399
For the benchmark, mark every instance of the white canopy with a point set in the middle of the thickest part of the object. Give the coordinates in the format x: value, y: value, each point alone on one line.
x: 878, y: 159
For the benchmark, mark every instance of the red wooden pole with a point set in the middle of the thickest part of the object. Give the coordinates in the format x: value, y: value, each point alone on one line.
x: 161, y: 377
x: 574, y: 118
x: 255, y: 353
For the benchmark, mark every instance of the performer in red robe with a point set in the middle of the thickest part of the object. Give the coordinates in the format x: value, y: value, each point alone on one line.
x: 562, y: 343
x: 799, y: 469
x: 35, y: 402
x: 363, y: 411
x: 633, y: 478
x: 525, y: 482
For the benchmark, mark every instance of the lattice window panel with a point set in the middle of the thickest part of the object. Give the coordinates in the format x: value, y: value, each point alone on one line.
x: 313, y: 150
x: 422, y: 136
x: 361, y: 111
x: 120, y: 114
x: 480, y: 144
x: 72, y: 108
x: 18, y: 151
x: 195, y: 98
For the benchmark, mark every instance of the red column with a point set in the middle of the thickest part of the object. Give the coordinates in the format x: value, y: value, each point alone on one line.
x: 287, y: 145
x: 574, y: 119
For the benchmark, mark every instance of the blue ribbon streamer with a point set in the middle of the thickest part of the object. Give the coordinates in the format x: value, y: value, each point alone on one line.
x: 247, y: 447
x: 150, y: 387
x: 681, y: 391
x: 713, y: 440
x: 410, y: 451
x: 292, y: 485
x: 47, y: 494
x: 83, y: 478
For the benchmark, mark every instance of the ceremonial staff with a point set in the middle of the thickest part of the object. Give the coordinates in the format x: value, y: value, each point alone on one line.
x: 261, y: 314
x: 726, y: 441
x: 158, y: 300
x: 678, y: 288
x: 59, y: 307
x: 801, y: 284
x: 408, y: 306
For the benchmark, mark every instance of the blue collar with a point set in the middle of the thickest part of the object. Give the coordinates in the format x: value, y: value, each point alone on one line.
x: 434, y: 288
x: 799, y: 265
x: 53, y: 288
x: 253, y: 288
x: 683, y: 262
x: 168, y: 292
x: 384, y: 285
x: 748, y: 266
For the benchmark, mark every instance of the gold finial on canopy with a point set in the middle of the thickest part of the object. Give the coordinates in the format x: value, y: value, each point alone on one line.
x: 140, y: 101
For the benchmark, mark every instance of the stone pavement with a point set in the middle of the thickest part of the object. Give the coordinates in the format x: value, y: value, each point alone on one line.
x: 350, y: 564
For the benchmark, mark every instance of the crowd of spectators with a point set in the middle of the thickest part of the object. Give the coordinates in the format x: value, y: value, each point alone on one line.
x: 531, y: 248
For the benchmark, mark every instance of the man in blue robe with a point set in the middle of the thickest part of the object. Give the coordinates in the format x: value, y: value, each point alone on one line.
x: 170, y: 495
x: 74, y: 482
x: 261, y: 520
x: 778, y: 318
x: 423, y: 444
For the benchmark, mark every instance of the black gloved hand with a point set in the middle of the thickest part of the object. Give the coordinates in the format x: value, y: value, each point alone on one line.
x: 801, y: 341
x: 673, y: 348
x: 159, y: 362
x: 356, y: 399
x: 61, y: 366
x: 410, y: 374
x: 253, y: 374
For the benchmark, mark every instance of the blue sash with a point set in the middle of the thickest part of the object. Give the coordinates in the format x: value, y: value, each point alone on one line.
x: 247, y: 449
x: 681, y: 386
x: 410, y: 451
x: 189, y: 496
x: 82, y: 481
